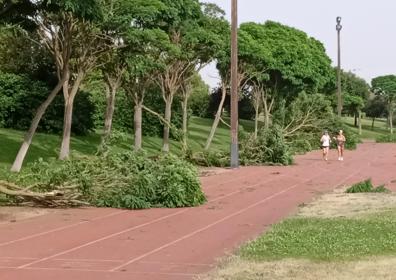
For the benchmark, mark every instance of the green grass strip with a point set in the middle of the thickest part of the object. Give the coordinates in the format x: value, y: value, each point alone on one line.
x: 326, y: 239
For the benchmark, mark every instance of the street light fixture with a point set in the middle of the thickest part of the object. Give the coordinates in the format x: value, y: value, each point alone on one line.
x: 234, y: 85
x: 339, y: 102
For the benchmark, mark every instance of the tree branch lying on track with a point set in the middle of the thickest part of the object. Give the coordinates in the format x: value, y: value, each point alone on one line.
x: 60, y: 197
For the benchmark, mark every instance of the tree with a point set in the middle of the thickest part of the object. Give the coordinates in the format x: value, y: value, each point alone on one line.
x: 355, y: 104
x: 67, y: 29
x: 18, y: 12
x: 287, y: 62
x: 133, y: 25
x: 194, y: 38
x: 385, y: 86
x: 356, y: 92
x: 375, y: 108
x: 136, y: 81
x: 200, y: 97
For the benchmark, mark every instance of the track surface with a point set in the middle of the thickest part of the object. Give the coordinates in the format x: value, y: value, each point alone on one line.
x: 173, y: 244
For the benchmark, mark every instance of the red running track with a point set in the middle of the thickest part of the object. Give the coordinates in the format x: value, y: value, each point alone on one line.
x: 173, y: 244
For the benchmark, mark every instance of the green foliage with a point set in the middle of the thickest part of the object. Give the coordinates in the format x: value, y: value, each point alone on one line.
x: 366, y: 186
x: 17, y: 12
x: 293, y: 60
x: 376, y: 107
x: 327, y: 239
x: 200, y: 98
x: 304, y: 120
x: 152, y: 125
x: 268, y: 148
x: 20, y: 97
x: 19, y: 55
x: 123, y: 180
x: 356, y: 92
x: 353, y: 103
x: 87, y: 9
x: 385, y: 86
x: 389, y: 138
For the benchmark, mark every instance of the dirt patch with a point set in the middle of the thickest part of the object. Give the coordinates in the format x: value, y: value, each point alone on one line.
x: 341, y: 204
x: 13, y: 214
x: 369, y: 269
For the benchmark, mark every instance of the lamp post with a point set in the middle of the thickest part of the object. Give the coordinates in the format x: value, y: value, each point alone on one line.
x: 234, y: 85
x: 339, y: 100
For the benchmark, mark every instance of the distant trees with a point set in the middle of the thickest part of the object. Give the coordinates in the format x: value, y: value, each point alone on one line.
x: 376, y: 108
x: 385, y: 86
x: 147, y: 56
x: 275, y: 62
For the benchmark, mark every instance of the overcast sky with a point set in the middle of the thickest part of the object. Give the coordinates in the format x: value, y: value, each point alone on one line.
x: 368, y: 36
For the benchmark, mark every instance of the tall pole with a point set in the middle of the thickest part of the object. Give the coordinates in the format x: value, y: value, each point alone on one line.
x: 339, y: 97
x: 234, y: 85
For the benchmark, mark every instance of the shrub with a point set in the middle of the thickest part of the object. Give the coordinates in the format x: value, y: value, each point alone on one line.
x: 20, y: 97
x: 390, y: 138
x: 124, y: 180
x: 268, y: 148
x: 200, y: 97
x: 305, y: 118
x: 366, y: 186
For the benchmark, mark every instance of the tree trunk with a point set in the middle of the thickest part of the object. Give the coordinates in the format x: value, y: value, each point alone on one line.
x: 67, y: 123
x: 68, y: 115
x: 185, y: 115
x: 266, y: 115
x: 217, y: 117
x: 110, y: 105
x: 391, y: 119
x: 372, y: 124
x: 168, y: 116
x: 266, y: 111
x: 138, y: 126
x: 356, y: 119
x: 360, y: 122
x: 17, y: 165
x: 256, y: 122
x: 256, y: 105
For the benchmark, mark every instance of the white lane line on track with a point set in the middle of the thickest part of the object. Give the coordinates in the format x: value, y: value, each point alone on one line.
x: 215, y: 223
x: 103, y: 238
x: 135, y: 227
x: 101, y: 271
x: 61, y: 228
x: 174, y: 214
x: 231, y: 216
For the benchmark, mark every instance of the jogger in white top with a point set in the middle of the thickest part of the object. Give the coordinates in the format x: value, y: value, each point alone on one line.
x: 325, y: 140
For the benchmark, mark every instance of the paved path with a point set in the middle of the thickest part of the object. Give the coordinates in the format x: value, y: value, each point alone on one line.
x: 176, y: 244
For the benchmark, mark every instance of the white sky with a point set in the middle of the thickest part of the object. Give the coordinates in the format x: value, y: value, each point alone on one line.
x: 368, y: 36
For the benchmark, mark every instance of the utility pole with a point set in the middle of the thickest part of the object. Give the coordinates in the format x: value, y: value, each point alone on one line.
x: 234, y: 85
x: 339, y: 98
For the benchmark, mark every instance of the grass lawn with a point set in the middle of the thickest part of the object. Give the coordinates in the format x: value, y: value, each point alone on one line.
x: 47, y: 145
x: 330, y: 239
x: 367, y: 131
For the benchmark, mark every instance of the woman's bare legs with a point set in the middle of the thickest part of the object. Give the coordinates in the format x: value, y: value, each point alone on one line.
x: 339, y: 148
x: 325, y: 152
x: 342, y: 152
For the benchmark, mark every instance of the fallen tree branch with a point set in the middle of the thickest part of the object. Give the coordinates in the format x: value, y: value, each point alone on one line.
x: 226, y: 124
x: 60, y: 197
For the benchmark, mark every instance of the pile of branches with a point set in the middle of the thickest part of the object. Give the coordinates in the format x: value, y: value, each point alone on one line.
x: 60, y: 196
x: 121, y: 180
